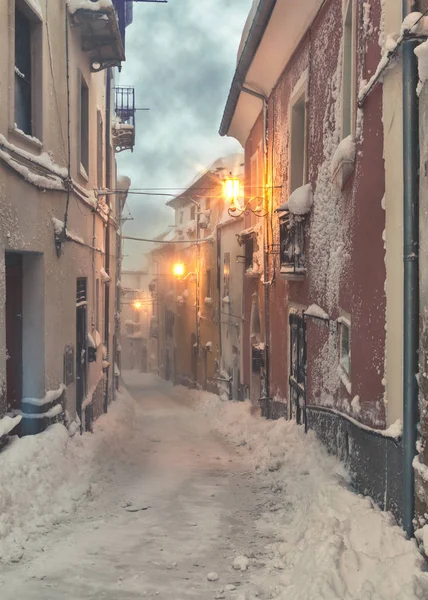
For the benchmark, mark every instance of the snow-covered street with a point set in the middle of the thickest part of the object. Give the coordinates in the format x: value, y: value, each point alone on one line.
x: 179, y: 495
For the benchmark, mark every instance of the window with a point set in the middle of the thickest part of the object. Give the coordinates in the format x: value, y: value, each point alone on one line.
x: 257, y: 174
x: 192, y: 213
x: 298, y: 142
x: 348, y: 77
x: 97, y: 304
x: 208, y: 283
x: 84, y: 125
x: 23, y: 73
x: 292, y: 244
x: 345, y: 345
x: 181, y: 217
x: 99, y: 150
x: 207, y: 203
x: 249, y: 252
x: 226, y: 274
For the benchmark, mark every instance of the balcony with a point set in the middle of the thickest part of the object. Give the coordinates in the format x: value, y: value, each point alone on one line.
x: 292, y: 247
x: 100, y: 29
x: 123, y: 130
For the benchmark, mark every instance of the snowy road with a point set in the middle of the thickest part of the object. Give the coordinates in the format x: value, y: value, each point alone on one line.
x: 176, y: 486
x: 197, y: 510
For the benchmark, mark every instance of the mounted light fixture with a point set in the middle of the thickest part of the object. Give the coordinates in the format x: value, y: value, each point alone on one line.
x: 231, y: 190
x: 178, y: 269
x: 138, y: 305
x: 231, y: 186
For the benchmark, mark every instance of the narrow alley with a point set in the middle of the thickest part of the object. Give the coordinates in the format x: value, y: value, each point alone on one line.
x: 174, y: 505
x: 191, y: 497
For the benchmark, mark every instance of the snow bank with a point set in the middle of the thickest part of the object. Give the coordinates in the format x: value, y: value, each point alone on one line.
x: 43, y: 478
x: 326, y: 542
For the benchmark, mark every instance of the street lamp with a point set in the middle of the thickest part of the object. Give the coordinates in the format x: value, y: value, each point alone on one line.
x: 178, y: 269
x: 231, y: 194
x: 138, y: 305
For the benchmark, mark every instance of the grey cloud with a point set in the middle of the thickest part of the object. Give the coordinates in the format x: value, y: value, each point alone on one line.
x: 180, y: 58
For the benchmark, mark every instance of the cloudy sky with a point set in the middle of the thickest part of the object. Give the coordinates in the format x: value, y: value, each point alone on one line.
x: 181, y: 57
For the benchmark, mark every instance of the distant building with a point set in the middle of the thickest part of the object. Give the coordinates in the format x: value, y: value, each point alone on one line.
x: 192, y: 313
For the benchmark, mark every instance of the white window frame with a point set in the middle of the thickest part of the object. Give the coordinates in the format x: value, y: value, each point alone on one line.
x: 35, y: 139
x: 345, y: 370
x: 349, y: 59
x: 298, y: 99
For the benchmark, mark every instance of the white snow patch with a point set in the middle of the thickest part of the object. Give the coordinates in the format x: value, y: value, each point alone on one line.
x: 74, y: 5
x: 59, y: 227
x: 241, y: 563
x: 300, y: 202
x: 44, y: 477
x: 316, y: 311
x: 325, y: 541
x: 8, y: 423
x: 49, y: 397
x: 105, y: 277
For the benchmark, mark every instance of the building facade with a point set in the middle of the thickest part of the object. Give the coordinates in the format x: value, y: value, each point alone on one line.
x: 60, y: 244
x: 199, y: 336
x: 326, y: 303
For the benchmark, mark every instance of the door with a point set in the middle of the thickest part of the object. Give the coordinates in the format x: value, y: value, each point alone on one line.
x: 194, y: 357
x: 204, y: 368
x: 297, y: 377
x: 81, y: 354
x: 257, y: 366
x: 14, y: 274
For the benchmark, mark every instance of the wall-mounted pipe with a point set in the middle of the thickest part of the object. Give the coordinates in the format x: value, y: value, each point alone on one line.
x: 411, y: 272
x: 265, y: 101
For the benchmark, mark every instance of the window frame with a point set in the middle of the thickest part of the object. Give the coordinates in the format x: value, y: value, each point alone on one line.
x: 349, y: 63
x: 298, y: 102
x: 296, y: 265
x: 226, y: 274
x: 345, y: 361
x: 83, y: 168
x: 35, y: 138
x: 208, y: 283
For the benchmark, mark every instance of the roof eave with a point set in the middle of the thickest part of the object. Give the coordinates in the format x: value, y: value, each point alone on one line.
x: 255, y: 36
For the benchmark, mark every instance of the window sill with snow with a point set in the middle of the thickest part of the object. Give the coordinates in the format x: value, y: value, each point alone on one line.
x: 343, y: 162
x: 292, y: 227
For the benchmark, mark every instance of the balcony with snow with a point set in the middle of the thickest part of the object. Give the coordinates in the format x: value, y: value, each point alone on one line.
x: 123, y: 130
x: 293, y: 217
x: 102, y: 30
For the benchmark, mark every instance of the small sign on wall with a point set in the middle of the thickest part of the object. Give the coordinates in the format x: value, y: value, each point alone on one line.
x: 68, y: 364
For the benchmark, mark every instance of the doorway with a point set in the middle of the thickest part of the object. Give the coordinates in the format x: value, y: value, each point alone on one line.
x: 81, y: 350
x: 14, y: 329
x: 297, y: 372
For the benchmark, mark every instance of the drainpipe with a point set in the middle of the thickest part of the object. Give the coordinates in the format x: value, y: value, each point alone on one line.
x: 107, y: 241
x: 266, y: 391
x: 411, y: 273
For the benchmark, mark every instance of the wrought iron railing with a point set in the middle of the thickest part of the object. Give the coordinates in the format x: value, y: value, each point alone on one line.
x: 292, y: 247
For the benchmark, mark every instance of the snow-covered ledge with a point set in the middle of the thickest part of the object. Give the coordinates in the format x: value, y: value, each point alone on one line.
x: 343, y: 162
x: 300, y: 201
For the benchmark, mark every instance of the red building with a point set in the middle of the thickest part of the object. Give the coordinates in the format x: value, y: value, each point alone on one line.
x: 315, y: 306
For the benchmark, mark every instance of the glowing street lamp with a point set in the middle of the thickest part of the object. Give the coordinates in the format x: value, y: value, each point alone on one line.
x: 178, y: 269
x: 231, y: 190
x: 138, y: 305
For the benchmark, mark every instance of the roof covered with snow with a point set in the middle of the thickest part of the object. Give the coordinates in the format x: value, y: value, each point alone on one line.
x: 276, y: 28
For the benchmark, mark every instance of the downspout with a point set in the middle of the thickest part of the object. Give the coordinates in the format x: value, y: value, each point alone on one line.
x: 266, y: 391
x: 411, y: 272
x: 107, y: 241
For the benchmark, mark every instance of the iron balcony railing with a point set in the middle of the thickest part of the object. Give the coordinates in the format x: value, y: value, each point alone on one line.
x: 124, y: 128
